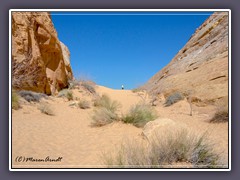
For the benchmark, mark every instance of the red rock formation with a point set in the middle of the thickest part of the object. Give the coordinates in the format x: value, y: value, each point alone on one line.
x: 201, y: 66
x: 38, y: 63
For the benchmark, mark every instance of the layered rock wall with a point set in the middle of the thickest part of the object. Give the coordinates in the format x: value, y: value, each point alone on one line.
x: 200, y: 68
x: 40, y: 62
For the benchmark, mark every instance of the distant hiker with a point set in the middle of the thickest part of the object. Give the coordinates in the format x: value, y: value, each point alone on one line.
x: 122, y: 87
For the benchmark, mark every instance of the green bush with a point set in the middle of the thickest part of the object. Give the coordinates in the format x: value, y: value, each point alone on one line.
x: 173, y: 98
x: 139, y: 115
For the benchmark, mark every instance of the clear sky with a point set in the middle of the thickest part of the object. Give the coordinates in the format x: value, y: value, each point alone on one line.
x: 121, y: 48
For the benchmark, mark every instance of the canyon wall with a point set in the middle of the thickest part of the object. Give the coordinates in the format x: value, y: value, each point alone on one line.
x: 200, y: 68
x: 40, y: 62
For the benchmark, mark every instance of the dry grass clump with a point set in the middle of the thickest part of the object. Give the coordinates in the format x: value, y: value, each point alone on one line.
x: 86, y: 84
x: 15, y: 100
x: 107, y: 112
x: 139, y: 115
x: 84, y: 104
x: 31, y: 96
x: 103, y: 116
x: 173, y: 98
x: 106, y: 102
x: 72, y: 84
x: 46, y: 109
x: 66, y: 93
x: 184, y: 146
x: 89, y: 86
x: 130, y: 154
x: 221, y: 115
x: 135, y: 90
x: 170, y: 150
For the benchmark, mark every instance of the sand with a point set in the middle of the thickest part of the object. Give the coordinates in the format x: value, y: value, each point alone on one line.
x: 69, y: 138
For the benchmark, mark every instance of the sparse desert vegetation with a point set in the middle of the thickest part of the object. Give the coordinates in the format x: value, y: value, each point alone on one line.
x: 221, y: 115
x: 139, y: 115
x: 46, y: 109
x: 73, y: 84
x: 173, y: 98
x: 15, y: 100
x: 135, y: 90
x: 66, y: 93
x: 89, y: 86
x: 106, y: 112
x: 103, y: 116
x: 106, y: 102
x: 84, y: 104
x: 172, y: 149
x: 31, y: 96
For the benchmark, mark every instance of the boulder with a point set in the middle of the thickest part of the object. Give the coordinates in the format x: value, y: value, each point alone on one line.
x: 161, y: 127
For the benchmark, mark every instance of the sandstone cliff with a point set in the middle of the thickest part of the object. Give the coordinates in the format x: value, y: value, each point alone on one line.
x: 200, y: 68
x: 40, y: 62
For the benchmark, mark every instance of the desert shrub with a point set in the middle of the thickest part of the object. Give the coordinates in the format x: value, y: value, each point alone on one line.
x: 46, y: 109
x: 106, y: 102
x: 103, y: 116
x: 31, y: 96
x: 86, y: 84
x: 139, y: 115
x: 107, y: 112
x: 221, y: 115
x: 184, y: 146
x: 130, y: 154
x: 173, y: 98
x: 69, y: 95
x: 73, y: 83
x: 167, y: 151
x: 89, y: 86
x: 66, y: 93
x: 136, y: 90
x: 83, y: 104
x: 15, y: 100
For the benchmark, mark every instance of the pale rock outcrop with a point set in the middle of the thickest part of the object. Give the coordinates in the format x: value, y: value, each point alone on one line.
x: 200, y: 68
x: 160, y: 127
x: 40, y: 62
x: 66, y: 58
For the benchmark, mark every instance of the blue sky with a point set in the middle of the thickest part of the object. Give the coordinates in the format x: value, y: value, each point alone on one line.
x: 117, y: 48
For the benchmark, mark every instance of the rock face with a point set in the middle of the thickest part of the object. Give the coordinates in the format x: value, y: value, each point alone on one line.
x: 40, y: 62
x: 161, y: 127
x: 200, y: 68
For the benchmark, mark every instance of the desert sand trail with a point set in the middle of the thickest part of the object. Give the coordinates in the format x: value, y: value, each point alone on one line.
x: 69, y: 135
x: 126, y: 97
